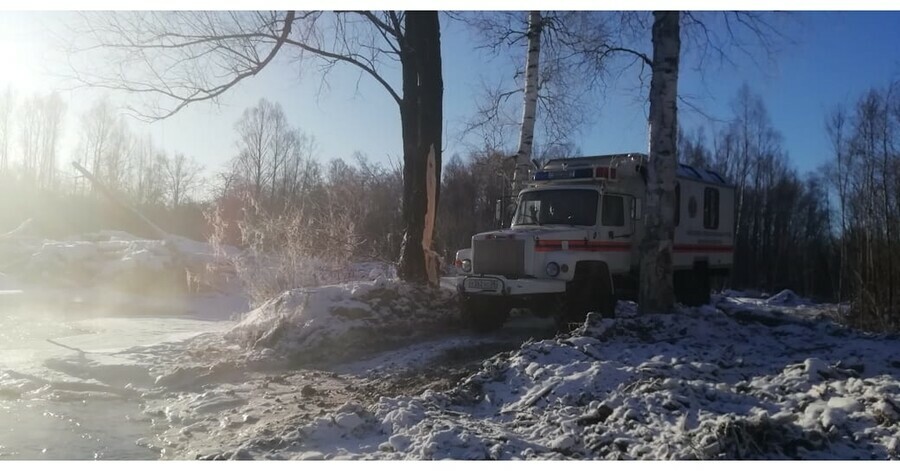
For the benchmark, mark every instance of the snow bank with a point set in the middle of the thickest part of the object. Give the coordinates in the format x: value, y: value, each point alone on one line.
x: 698, y: 384
x: 105, y: 257
x: 788, y: 298
x: 336, y: 322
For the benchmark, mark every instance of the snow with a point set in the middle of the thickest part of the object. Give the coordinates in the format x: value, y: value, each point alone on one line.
x: 787, y: 298
x: 105, y: 257
x: 704, y: 383
x: 340, y: 321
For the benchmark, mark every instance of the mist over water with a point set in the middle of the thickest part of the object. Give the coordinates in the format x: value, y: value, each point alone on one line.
x: 68, y: 388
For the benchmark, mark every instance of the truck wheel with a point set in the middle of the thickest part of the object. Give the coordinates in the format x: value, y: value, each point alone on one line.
x: 573, y: 306
x: 484, y: 314
x: 692, y: 286
x: 593, y: 293
x: 701, y: 284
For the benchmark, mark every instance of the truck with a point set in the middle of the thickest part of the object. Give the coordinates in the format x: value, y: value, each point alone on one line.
x: 572, y: 246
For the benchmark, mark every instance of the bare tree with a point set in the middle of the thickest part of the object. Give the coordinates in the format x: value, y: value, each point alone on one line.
x: 40, y: 127
x: 53, y: 111
x: 270, y: 153
x: 836, y: 128
x: 146, y: 185
x: 256, y: 138
x: 176, y: 59
x: 98, y: 149
x: 181, y: 176
x: 7, y: 103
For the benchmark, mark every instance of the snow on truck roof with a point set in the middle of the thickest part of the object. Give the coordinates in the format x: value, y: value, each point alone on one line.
x: 616, y: 160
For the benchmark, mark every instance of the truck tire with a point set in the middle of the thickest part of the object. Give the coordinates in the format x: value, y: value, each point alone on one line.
x: 591, y: 292
x: 702, y: 284
x: 692, y: 287
x: 484, y: 314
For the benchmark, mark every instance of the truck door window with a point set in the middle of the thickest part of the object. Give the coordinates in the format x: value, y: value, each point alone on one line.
x: 613, y: 211
x: 711, y: 208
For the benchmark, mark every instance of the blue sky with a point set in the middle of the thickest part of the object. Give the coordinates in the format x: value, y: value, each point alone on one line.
x: 834, y: 58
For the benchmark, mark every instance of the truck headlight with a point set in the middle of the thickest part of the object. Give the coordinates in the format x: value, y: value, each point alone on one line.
x: 552, y: 269
x: 466, y: 265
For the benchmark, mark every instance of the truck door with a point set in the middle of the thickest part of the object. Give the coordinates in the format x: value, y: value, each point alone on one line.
x: 615, y: 218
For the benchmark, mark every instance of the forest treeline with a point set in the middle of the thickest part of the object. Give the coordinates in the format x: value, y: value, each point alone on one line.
x: 833, y: 233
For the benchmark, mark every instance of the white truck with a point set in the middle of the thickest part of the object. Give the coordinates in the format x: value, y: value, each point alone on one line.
x: 572, y: 246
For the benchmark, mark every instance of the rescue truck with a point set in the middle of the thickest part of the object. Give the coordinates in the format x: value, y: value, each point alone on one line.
x: 573, y: 244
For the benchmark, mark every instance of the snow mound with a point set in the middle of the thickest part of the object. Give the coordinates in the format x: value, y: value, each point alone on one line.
x: 788, y: 298
x: 339, y: 321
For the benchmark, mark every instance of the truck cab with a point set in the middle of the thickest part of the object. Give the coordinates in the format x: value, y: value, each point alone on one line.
x: 572, y: 246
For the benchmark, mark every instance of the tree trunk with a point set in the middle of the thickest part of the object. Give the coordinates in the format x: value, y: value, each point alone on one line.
x: 656, y: 294
x: 421, y: 117
x: 529, y: 113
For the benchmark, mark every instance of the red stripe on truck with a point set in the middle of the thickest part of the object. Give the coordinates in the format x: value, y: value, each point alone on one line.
x: 603, y: 246
x: 703, y: 248
x: 582, y: 246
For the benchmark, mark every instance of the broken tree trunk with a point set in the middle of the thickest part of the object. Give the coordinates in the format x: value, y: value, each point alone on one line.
x: 421, y: 117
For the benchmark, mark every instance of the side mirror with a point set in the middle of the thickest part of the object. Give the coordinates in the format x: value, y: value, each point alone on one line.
x: 510, y: 213
x: 636, y: 209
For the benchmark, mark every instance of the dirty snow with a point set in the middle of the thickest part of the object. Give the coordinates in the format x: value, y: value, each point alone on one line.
x: 701, y: 383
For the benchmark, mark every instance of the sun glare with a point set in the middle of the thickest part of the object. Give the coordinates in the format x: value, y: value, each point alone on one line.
x: 20, y: 65
x: 20, y: 56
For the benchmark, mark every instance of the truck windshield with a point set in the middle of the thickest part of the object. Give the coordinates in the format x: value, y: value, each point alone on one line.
x: 569, y: 207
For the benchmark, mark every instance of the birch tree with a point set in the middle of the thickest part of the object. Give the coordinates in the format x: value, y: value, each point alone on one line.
x: 555, y: 72
x: 529, y: 111
x: 656, y: 293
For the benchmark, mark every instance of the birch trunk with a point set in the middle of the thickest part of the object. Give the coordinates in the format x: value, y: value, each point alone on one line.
x: 656, y: 293
x: 529, y: 113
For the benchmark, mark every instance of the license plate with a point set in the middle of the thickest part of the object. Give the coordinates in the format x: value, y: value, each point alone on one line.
x: 483, y: 284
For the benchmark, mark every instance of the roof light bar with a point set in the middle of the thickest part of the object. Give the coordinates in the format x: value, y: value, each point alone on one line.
x: 605, y: 173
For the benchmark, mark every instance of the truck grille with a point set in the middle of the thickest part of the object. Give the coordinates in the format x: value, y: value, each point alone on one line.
x: 498, y: 257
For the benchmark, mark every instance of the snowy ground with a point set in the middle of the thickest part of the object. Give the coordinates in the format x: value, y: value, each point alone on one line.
x: 379, y: 369
x: 745, y: 378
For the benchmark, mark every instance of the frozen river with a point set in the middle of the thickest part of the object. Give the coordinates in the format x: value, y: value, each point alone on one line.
x: 69, y: 388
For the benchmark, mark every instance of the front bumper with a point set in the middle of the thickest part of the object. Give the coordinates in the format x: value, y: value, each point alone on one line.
x: 494, y: 285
